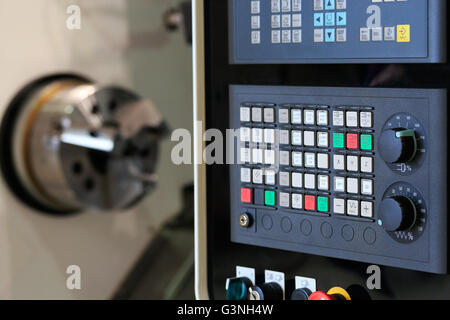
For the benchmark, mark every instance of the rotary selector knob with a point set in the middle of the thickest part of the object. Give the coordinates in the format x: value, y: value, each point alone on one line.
x: 397, y: 213
x: 398, y: 145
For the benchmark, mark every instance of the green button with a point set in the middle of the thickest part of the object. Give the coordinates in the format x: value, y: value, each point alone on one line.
x: 338, y: 140
x: 269, y: 198
x: 322, y: 204
x: 366, y: 142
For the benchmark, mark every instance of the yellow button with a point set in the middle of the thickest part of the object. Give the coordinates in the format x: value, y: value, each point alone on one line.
x: 403, y: 33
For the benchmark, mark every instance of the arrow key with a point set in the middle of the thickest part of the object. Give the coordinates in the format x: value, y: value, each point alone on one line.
x: 341, y: 18
x: 330, y: 35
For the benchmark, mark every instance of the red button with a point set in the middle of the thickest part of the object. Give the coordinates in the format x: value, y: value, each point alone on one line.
x: 352, y: 141
x: 310, y: 203
x: 246, y: 195
x: 320, y: 295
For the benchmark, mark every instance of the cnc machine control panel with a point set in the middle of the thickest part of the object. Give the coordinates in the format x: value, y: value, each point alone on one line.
x: 337, y: 31
x: 351, y: 173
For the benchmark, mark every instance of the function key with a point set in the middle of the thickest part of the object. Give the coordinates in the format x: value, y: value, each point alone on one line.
x: 275, y: 5
x: 269, y: 115
x: 339, y: 184
x: 351, y: 119
x: 296, y: 5
x: 270, y: 177
x: 310, y: 203
x: 296, y: 116
x: 323, y: 161
x: 284, y: 179
x: 318, y: 5
x: 366, y: 164
x: 367, y: 187
x: 285, y: 199
x: 245, y: 114
x: 322, y: 139
x: 257, y: 156
x: 338, y: 118
x: 353, y: 208
x: 365, y: 119
x: 269, y: 198
x: 297, y: 159
x: 366, y: 209
x: 339, y: 206
x: 284, y: 158
x: 338, y: 140
x: 269, y: 136
x: 352, y: 163
x: 245, y: 175
x: 309, y: 117
x: 296, y: 20
x: 245, y: 155
x: 339, y: 162
x: 255, y: 7
x: 285, y: 5
x: 297, y: 180
x: 323, y: 204
x: 352, y: 141
x: 245, y: 134
x: 322, y: 117
x: 269, y: 157
x: 257, y: 114
x: 353, y: 185
x: 366, y: 142
x: 310, y: 160
x: 297, y: 201
x: 246, y: 195
x: 309, y: 138
x: 310, y: 181
x: 257, y: 176
x: 257, y: 135
x: 283, y: 116
x: 297, y: 138
x: 284, y: 137
x: 323, y: 182
x: 341, y: 4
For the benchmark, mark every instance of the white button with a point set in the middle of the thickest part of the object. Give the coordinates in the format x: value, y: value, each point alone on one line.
x: 296, y: 116
x: 269, y: 115
x: 245, y: 155
x: 367, y: 187
x: 352, y: 185
x: 322, y: 139
x: 297, y: 138
x: 256, y: 37
x: 341, y: 34
x: 275, y: 6
x: 341, y: 4
x: 338, y: 118
x: 324, y: 182
x: 322, y: 117
x: 245, y: 175
x: 284, y: 137
x: 366, y: 209
x: 285, y: 199
x: 257, y: 135
x: 309, y: 117
x: 269, y: 157
x: 255, y: 22
x: 310, y: 160
x: 297, y: 180
x: 245, y: 134
x: 323, y: 161
x: 377, y: 34
x: 286, y: 20
x: 297, y: 159
x: 257, y: 176
x: 283, y: 115
x: 286, y: 36
x: 366, y: 164
x: 256, y: 114
x: 352, y: 163
x: 257, y: 156
x: 276, y: 21
x: 389, y: 34
x: 339, y: 206
x: 318, y: 35
x: 255, y: 7
x: 296, y: 5
x: 318, y: 5
x: 338, y: 162
x: 310, y: 181
x: 352, y: 208
x: 339, y: 184
x: 284, y: 179
x: 276, y: 36
x: 365, y: 119
x: 297, y: 36
x: 269, y: 136
x: 270, y: 177
x: 297, y: 201
x: 309, y: 138
x: 351, y: 119
x: 245, y: 114
x: 296, y: 20
x: 285, y: 5
x: 284, y: 158
x: 364, y: 34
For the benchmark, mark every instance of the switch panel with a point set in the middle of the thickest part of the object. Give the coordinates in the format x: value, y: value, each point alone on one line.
x: 337, y: 31
x: 351, y: 173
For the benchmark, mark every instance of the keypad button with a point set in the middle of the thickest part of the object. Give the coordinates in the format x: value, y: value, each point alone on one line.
x: 257, y: 176
x: 329, y: 19
x: 245, y: 175
x: 270, y: 177
x: 323, y: 182
x: 338, y: 118
x: 365, y: 119
x: 284, y: 137
x: 318, y: 19
x: 285, y: 5
x: 246, y: 195
x: 318, y: 5
x: 296, y: 116
x: 351, y: 119
x: 296, y: 5
x: 341, y: 34
x: 310, y: 160
x: 323, y: 204
x: 269, y: 198
x: 255, y: 7
x: 257, y: 156
x: 366, y: 209
x: 329, y: 4
x: 353, y: 208
x: 269, y: 136
x: 366, y: 142
x: 318, y: 35
x: 297, y: 180
x: 323, y: 161
x: 255, y: 22
x: 256, y: 114
x: 284, y: 179
x: 341, y: 18
x: 275, y: 6
x: 245, y: 155
x: 245, y: 134
x: 338, y: 140
x: 339, y: 184
x: 283, y: 115
x: 297, y: 36
x: 296, y: 20
x: 257, y: 135
x: 352, y: 185
x: 285, y: 158
x: 245, y: 114
x: 286, y: 36
x: 310, y: 203
x: 310, y: 181
x: 367, y: 187
x: 269, y: 115
x: 286, y: 21
x: 322, y: 117
x: 322, y: 139
x: 352, y: 141
x: 285, y: 199
x: 276, y: 21
x: 309, y: 138
x: 309, y: 117
x: 297, y: 159
x: 352, y: 163
x: 297, y: 138
x: 366, y: 164
x: 276, y: 36
x: 341, y: 4
x: 269, y: 157
x: 339, y: 162
x: 339, y: 206
x: 297, y: 201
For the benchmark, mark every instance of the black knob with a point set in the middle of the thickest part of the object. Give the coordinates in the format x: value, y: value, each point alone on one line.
x: 301, y: 294
x: 397, y: 145
x: 266, y: 291
x: 397, y: 213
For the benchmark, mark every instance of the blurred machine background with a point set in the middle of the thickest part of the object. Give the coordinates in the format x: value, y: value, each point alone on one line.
x: 121, y: 43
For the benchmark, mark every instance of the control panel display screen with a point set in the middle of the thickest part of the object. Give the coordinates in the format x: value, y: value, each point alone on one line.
x: 337, y: 31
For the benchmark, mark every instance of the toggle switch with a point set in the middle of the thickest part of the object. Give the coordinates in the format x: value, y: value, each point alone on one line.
x: 238, y: 288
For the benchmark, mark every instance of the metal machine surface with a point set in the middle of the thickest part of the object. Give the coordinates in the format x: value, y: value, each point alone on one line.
x: 355, y: 177
x: 49, y: 218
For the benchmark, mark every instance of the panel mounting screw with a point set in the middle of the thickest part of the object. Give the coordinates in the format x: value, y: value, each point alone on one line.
x: 244, y: 220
